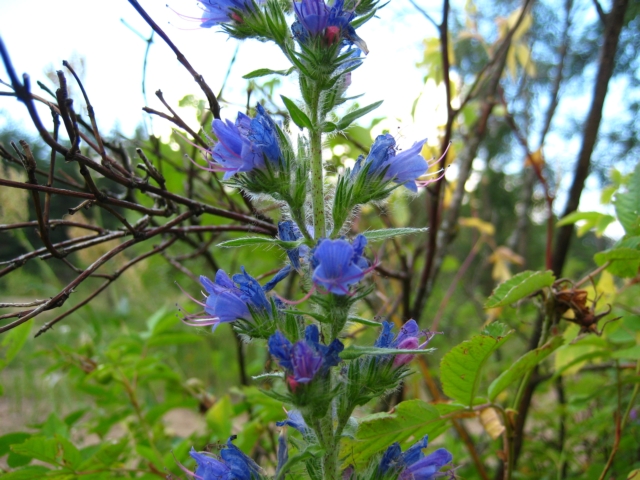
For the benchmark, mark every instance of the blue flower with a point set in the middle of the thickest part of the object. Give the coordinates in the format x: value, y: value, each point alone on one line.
x: 413, y: 464
x: 232, y: 465
x: 338, y: 264
x: 305, y: 359
x: 403, y: 168
x: 283, y: 453
x: 222, y: 11
x: 294, y: 420
x: 244, y: 145
x: 315, y: 18
x: 407, y: 339
x: 289, y: 232
x: 229, y: 299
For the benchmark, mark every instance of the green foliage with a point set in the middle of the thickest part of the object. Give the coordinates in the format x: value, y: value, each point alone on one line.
x: 520, y: 286
x: 522, y: 366
x: 410, y: 420
x: 462, y: 367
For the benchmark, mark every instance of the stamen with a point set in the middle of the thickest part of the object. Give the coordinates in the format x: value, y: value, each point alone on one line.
x: 297, y: 302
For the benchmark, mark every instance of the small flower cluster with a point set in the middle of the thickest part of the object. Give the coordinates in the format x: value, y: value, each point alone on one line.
x: 413, y: 464
x: 407, y: 339
x: 305, y: 359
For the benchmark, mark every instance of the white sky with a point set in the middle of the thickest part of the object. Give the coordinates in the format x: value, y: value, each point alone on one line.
x: 39, y: 34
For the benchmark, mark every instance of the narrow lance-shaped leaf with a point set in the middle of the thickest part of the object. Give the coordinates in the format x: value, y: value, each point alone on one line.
x: 355, y: 351
x: 522, y: 366
x: 349, y: 118
x: 298, y: 116
x: 520, y: 286
x: 461, y: 368
x: 377, y: 235
x: 261, y: 72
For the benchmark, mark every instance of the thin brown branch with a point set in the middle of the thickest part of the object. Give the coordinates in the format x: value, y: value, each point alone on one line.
x: 114, y: 276
x: 59, y: 299
x: 213, y: 102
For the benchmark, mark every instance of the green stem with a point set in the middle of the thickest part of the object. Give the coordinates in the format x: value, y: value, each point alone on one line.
x: 330, y: 459
x: 317, y: 178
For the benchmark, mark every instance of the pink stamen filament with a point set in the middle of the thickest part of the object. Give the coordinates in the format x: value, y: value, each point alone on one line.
x: 298, y: 302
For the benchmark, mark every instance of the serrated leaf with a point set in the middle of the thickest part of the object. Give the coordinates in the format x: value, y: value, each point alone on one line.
x: 627, y: 204
x: 355, y: 351
x: 624, y: 261
x: 261, y: 72
x: 523, y: 365
x: 55, y: 451
x: 298, y: 116
x: 410, y: 421
x: 461, y: 368
x: 520, y: 286
x: 377, y: 235
x: 27, y: 473
x: 349, y: 118
x: 219, y: 418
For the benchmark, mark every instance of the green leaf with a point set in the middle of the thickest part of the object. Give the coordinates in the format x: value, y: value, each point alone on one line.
x: 349, y: 118
x: 461, y: 368
x: 245, y: 241
x: 13, y: 342
x: 627, y: 204
x: 27, y: 473
x: 110, y: 451
x: 219, y: 418
x: 14, y: 460
x: 632, y: 353
x: 329, y: 127
x: 624, y: 261
x: 55, y: 451
x: 592, y: 220
x: 364, y: 321
x: 312, y: 451
x: 150, y: 454
x: 298, y: 116
x: 355, y: 351
x: 261, y: 72
x: 377, y: 235
x: 523, y: 365
x: 410, y: 421
x: 520, y: 286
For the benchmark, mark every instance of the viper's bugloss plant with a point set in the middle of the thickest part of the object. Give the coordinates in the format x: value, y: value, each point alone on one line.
x: 323, y: 380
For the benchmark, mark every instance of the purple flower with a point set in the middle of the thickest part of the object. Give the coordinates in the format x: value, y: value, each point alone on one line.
x: 305, y: 359
x: 232, y: 464
x: 229, y: 299
x: 413, y: 464
x: 244, y: 145
x: 338, y: 264
x: 315, y: 18
x: 222, y: 11
x: 403, y: 168
x: 407, y: 339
